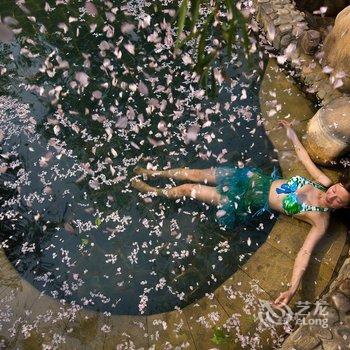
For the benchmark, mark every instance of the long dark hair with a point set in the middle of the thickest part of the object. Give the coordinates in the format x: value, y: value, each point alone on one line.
x: 345, y: 179
x: 342, y: 214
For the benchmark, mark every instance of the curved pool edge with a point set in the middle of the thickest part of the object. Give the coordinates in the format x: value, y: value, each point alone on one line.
x: 262, y: 277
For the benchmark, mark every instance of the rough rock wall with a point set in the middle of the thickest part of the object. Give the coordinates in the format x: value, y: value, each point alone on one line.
x: 282, y: 22
x: 337, y: 50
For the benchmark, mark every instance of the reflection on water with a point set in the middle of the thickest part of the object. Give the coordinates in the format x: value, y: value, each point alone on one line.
x: 88, y: 93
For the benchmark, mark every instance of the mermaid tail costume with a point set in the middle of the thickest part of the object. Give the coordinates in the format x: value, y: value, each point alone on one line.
x: 247, y: 190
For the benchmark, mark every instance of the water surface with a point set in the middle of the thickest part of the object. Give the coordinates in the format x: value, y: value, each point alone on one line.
x: 84, y: 100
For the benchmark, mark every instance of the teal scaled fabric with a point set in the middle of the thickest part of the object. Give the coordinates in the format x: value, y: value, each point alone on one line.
x: 246, y: 193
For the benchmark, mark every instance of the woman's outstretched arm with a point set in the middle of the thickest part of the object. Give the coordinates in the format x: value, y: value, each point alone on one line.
x: 302, y: 260
x: 304, y: 157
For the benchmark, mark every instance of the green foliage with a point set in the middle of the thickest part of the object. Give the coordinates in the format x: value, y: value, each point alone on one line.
x: 98, y: 221
x: 203, y: 29
x: 220, y: 337
x: 182, y: 17
x: 195, y: 6
x: 84, y: 241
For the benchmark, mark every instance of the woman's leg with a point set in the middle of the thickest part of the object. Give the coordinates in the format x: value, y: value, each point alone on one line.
x: 194, y: 175
x: 207, y: 194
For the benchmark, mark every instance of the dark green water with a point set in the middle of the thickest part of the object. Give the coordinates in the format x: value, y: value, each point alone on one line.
x: 71, y: 223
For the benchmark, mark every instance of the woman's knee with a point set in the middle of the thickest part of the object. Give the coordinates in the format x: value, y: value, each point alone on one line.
x: 186, y: 189
x: 180, y: 191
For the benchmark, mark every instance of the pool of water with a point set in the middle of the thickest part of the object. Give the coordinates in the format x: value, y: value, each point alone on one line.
x: 85, y: 97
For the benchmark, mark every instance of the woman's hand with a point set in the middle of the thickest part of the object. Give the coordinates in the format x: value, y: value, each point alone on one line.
x: 283, y: 299
x: 290, y: 132
x: 304, y: 157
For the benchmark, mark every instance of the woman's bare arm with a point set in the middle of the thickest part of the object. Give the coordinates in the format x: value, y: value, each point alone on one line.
x: 302, y: 260
x: 304, y: 157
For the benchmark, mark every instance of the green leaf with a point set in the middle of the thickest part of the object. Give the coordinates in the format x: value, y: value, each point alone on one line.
x: 188, y: 37
x: 242, y: 24
x: 195, y: 5
x: 203, y: 36
x: 220, y: 336
x: 213, y: 83
x: 201, y: 44
x: 181, y: 19
x: 215, y: 340
x: 204, y: 62
x: 224, y: 27
x: 98, y: 221
x: 203, y: 81
x: 231, y: 34
x: 84, y: 241
x: 230, y: 6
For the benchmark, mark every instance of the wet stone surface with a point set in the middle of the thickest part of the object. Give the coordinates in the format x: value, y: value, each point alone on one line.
x: 317, y: 82
x: 337, y: 320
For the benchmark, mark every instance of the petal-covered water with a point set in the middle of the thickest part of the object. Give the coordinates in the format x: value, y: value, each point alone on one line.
x: 87, y: 93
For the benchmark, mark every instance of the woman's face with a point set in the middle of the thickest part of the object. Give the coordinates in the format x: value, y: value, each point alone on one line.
x: 337, y: 196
